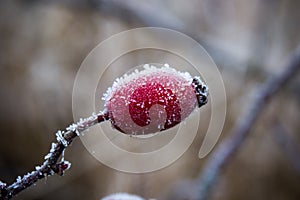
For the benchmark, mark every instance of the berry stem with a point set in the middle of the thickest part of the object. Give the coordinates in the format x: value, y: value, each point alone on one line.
x: 54, y: 161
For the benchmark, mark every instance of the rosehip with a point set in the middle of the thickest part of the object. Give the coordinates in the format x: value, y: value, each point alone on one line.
x: 153, y: 99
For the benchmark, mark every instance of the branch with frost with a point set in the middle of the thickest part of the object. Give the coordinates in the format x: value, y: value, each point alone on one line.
x: 54, y: 161
x: 228, y: 149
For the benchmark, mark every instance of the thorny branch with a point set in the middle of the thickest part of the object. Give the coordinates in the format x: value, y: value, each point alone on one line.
x: 228, y: 148
x: 54, y: 161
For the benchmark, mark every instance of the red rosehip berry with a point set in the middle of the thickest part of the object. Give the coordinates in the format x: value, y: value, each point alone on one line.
x: 153, y: 99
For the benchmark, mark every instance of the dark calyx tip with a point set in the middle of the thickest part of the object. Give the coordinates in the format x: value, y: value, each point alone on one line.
x: 201, y: 91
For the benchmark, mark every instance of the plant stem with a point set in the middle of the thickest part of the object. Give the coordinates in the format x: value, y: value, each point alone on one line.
x: 54, y: 161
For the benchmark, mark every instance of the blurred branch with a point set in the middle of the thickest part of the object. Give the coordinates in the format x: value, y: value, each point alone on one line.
x: 54, y: 161
x: 229, y: 147
x: 155, y: 14
x: 289, y: 146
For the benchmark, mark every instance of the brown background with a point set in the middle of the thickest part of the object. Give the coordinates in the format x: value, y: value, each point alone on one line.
x: 43, y: 45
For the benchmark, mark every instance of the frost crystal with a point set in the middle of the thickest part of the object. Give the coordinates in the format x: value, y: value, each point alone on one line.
x: 148, y: 69
x: 60, y: 138
x: 2, y: 186
x: 72, y: 127
x: 48, y: 156
x: 53, y: 145
x: 19, y: 179
x: 85, y: 123
x: 28, y: 175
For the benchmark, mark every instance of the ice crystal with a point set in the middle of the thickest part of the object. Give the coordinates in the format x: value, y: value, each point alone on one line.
x: 60, y: 138
x: 148, y: 69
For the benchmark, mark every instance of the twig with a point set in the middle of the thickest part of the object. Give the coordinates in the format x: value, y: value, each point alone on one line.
x: 228, y: 148
x: 54, y: 161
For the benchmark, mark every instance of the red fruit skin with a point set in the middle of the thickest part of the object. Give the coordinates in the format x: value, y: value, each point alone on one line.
x: 151, y: 102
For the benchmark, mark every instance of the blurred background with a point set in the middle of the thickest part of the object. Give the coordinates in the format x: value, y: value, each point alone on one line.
x: 44, y: 42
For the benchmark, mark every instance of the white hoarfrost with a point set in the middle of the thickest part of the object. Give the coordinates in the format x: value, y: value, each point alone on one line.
x: 2, y: 185
x: 60, y: 138
x: 148, y: 69
x: 84, y: 124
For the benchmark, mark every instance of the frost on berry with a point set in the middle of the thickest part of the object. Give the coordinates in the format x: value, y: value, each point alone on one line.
x: 150, y: 100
